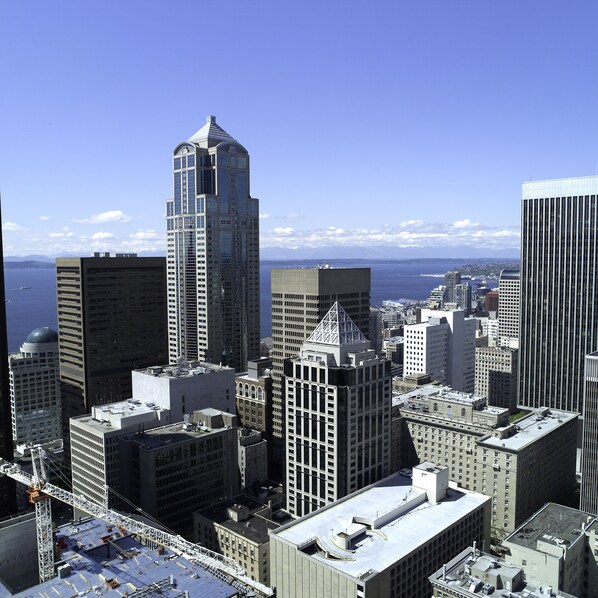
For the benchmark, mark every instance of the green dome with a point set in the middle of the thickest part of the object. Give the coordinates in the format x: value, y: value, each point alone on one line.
x: 42, y: 335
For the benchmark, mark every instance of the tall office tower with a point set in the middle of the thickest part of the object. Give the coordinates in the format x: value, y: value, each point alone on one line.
x: 213, y: 252
x: 462, y: 297
x: 35, y: 390
x: 300, y: 299
x: 442, y: 345
x: 559, y: 290
x: 451, y: 280
x: 338, y: 403
x: 508, y: 308
x: 111, y: 320
x: 589, y: 459
x: 8, y: 496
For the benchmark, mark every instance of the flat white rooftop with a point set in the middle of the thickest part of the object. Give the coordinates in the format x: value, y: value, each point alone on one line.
x: 531, y: 428
x: 401, y: 517
x: 184, y: 370
x: 122, y: 414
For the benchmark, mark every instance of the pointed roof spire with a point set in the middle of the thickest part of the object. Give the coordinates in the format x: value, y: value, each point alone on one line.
x: 337, y: 328
x: 211, y: 134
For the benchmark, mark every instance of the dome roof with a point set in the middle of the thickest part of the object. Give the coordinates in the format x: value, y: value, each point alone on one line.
x: 43, y: 335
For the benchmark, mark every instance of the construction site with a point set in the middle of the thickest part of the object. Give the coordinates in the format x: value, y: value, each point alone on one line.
x: 107, y: 553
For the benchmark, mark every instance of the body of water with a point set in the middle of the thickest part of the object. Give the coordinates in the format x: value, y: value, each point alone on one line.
x: 31, y: 294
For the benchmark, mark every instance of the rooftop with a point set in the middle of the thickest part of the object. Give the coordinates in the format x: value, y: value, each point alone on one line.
x: 120, y: 567
x: 394, y: 517
x: 501, y: 579
x: 115, y: 416
x: 171, y: 434
x: 184, y: 369
x: 537, y: 424
x: 255, y: 527
x: 211, y: 134
x: 337, y: 328
x: 552, y: 524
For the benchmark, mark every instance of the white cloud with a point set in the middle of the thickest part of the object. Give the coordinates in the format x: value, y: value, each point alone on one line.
x: 465, y: 224
x: 10, y: 226
x: 415, y: 233
x: 61, y: 235
x: 294, y: 215
x: 144, y: 235
x: 264, y: 216
x: 44, y: 218
x: 110, y: 216
x: 102, y: 235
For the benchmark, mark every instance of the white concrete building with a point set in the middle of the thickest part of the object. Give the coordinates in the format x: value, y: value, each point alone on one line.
x: 442, y: 345
x: 383, y: 540
x: 35, y: 398
x: 161, y: 395
x: 508, y: 308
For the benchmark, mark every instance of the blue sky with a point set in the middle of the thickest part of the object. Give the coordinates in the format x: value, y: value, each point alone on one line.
x: 399, y: 123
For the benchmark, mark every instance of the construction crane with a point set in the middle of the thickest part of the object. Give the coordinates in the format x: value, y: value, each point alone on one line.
x: 40, y: 491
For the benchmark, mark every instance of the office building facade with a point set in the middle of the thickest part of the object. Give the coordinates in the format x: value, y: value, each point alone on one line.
x: 508, y: 307
x: 520, y: 465
x: 35, y: 390
x: 559, y: 290
x: 111, y: 320
x: 496, y: 376
x: 384, y: 540
x: 300, y: 299
x: 338, y: 415
x: 212, y: 252
x: 589, y: 458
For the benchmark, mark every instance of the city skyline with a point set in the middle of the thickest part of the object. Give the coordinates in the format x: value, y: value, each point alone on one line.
x: 444, y: 94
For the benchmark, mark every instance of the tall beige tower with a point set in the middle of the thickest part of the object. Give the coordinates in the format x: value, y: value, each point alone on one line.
x: 301, y: 297
x: 213, y: 252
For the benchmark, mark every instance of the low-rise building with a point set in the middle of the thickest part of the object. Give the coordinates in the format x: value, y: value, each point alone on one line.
x: 557, y: 547
x: 383, y: 540
x: 239, y: 528
x: 473, y: 573
x: 520, y: 465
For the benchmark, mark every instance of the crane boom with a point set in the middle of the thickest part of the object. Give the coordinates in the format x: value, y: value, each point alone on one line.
x: 223, y: 567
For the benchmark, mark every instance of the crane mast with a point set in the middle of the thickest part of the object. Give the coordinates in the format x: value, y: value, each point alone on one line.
x: 40, y: 491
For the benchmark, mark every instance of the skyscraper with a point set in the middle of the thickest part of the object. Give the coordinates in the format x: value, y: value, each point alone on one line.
x: 35, y: 389
x: 589, y: 461
x: 213, y: 252
x: 338, y: 402
x: 451, y: 280
x: 301, y: 297
x: 559, y: 290
x: 111, y: 320
x: 508, y: 308
x: 8, y: 497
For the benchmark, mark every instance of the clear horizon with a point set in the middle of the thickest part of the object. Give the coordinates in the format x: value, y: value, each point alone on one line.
x: 404, y: 127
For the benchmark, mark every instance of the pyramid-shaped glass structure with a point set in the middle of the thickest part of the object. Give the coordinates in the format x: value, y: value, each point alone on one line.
x: 337, y: 328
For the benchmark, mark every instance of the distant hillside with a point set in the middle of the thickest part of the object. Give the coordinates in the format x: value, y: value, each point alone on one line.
x: 28, y: 265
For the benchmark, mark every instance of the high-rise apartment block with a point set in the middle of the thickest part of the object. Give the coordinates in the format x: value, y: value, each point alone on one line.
x: 496, y: 376
x: 213, y: 252
x: 35, y: 390
x: 300, y: 299
x: 442, y: 345
x: 337, y: 413
x: 383, y: 540
x: 559, y: 290
x: 520, y: 465
x: 462, y: 297
x: 508, y: 307
x: 589, y: 458
x: 111, y: 320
